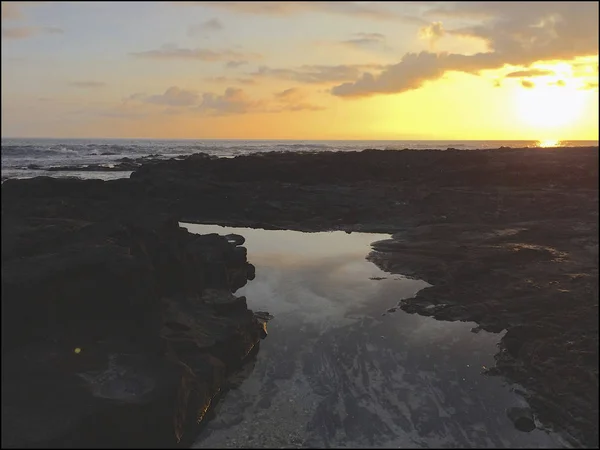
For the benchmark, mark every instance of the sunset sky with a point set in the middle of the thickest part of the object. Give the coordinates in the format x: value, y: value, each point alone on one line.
x: 300, y: 70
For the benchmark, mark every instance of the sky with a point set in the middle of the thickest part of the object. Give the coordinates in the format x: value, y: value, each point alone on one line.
x: 300, y: 70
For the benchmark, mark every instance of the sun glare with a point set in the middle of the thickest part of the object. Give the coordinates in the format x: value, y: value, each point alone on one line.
x: 548, y: 143
x: 546, y: 107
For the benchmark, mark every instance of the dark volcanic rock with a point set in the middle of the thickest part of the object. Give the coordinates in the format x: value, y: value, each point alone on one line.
x: 116, y: 333
x: 508, y: 238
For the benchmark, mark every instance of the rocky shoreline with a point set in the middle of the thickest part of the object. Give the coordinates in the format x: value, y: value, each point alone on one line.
x: 117, y: 333
x: 508, y: 239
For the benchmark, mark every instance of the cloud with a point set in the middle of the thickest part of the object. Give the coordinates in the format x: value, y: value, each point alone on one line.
x: 530, y: 73
x: 228, y: 80
x: 290, y: 94
x: 172, y: 52
x: 26, y: 32
x: 560, y: 83
x: 294, y: 99
x: 235, y: 64
x: 138, y: 96
x: 590, y: 86
x: 365, y: 40
x: 233, y: 101
x: 174, y: 96
x: 432, y: 33
x: 208, y: 26
x: 527, y: 84
x: 87, y: 84
x: 11, y: 11
x: 410, y: 73
x: 519, y: 33
x: 585, y: 68
x: 315, y: 74
x: 120, y: 114
x: 355, y: 9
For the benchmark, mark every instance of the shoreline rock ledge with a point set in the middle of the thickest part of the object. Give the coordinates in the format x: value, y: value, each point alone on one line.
x: 117, y: 333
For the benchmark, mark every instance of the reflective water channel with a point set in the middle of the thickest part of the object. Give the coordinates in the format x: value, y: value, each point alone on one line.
x: 337, y: 370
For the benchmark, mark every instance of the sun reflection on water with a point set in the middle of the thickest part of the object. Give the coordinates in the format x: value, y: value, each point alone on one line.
x: 549, y: 143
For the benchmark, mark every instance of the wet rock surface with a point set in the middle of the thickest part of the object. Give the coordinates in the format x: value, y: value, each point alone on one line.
x: 508, y: 239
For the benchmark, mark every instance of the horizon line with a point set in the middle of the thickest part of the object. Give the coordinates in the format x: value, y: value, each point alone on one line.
x: 288, y: 139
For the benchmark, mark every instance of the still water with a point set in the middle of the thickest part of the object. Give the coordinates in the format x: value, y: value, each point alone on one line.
x: 338, y: 370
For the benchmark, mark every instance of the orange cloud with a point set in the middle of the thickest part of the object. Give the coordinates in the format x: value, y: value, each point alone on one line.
x: 530, y: 73
x: 26, y: 32
x: 11, y: 11
x: 527, y: 84
x: 516, y: 33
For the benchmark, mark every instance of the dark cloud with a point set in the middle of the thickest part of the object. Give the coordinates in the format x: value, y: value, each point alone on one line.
x: 26, y: 32
x: 208, y: 26
x: 530, y: 73
x: 87, y: 84
x: 172, y: 52
x: 515, y: 33
x: 527, y: 84
x: 410, y: 73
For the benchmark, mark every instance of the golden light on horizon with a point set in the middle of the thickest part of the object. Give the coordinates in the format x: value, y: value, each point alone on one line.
x: 548, y: 107
x: 548, y: 143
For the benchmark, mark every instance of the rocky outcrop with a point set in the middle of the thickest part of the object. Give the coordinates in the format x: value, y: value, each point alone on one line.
x: 117, y: 332
x: 507, y: 237
x: 536, y: 281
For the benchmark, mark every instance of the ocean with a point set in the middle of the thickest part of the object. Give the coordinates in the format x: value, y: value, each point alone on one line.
x: 26, y: 158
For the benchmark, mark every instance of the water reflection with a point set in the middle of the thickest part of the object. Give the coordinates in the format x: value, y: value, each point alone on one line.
x: 336, y: 372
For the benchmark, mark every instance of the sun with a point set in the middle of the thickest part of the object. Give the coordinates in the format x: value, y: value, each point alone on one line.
x: 548, y: 107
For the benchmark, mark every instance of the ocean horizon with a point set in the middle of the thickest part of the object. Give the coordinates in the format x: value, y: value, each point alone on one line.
x: 72, y: 157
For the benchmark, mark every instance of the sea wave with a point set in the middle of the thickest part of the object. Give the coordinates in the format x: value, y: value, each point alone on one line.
x: 22, y: 158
